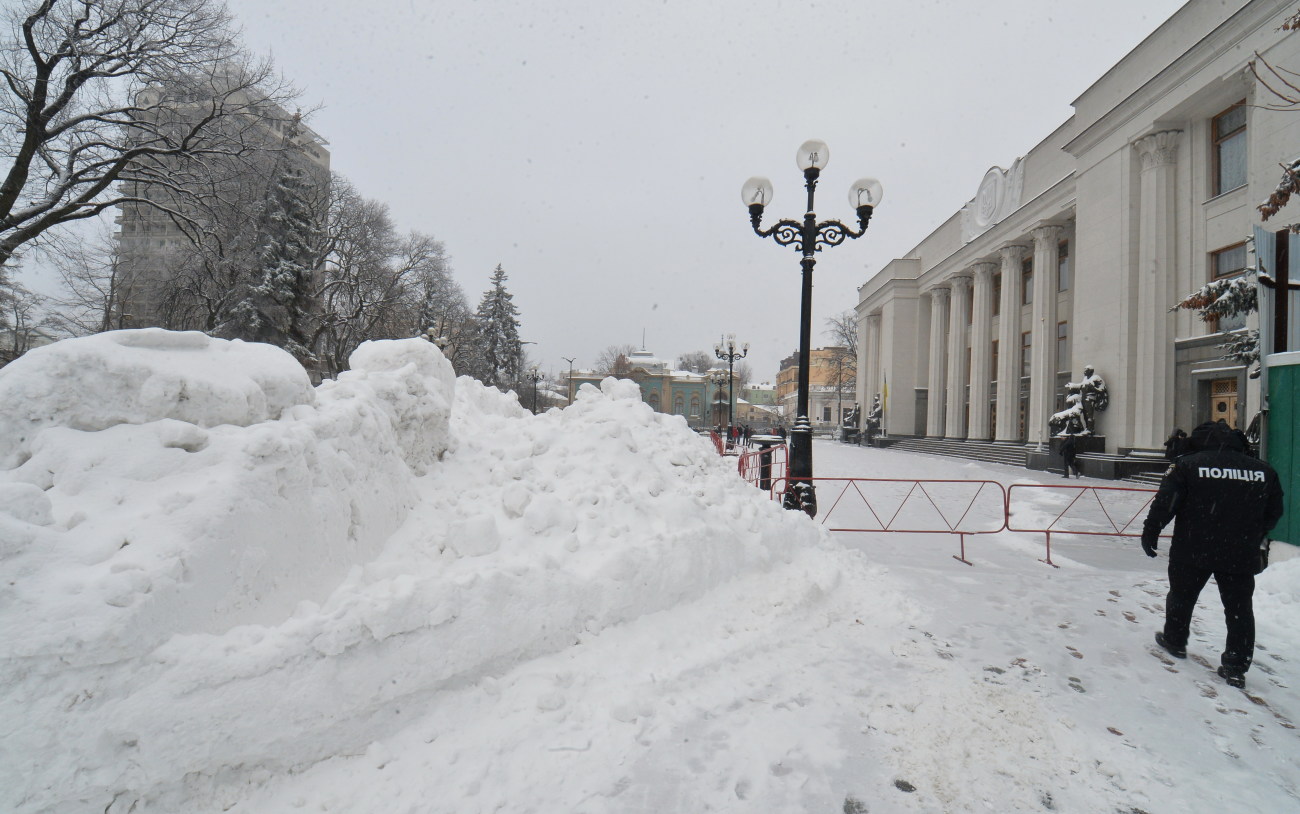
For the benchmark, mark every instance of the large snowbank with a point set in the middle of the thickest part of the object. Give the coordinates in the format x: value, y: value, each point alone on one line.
x: 196, y: 594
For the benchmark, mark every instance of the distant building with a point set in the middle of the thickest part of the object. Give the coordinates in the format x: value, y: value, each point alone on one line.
x: 830, y: 386
x: 693, y: 396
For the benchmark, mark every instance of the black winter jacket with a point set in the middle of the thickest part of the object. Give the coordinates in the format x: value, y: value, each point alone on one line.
x: 1222, y: 501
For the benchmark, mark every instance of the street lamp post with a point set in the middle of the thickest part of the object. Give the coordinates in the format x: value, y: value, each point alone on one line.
x: 716, y: 377
x: 726, y: 350
x: 808, y: 238
x: 570, y: 387
x: 535, y: 376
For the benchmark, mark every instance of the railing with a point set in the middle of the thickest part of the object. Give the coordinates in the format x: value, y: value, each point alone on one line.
x: 957, y: 507
x: 1100, y: 511
x: 765, y: 467
x: 961, y: 507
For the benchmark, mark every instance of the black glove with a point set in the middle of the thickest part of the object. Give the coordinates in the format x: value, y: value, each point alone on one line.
x: 1149, y: 542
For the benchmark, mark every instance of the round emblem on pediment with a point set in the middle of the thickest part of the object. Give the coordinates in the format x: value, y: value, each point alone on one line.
x: 989, y: 198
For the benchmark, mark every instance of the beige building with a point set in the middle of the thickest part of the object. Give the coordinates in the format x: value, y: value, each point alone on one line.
x: 1074, y: 254
x: 830, y: 386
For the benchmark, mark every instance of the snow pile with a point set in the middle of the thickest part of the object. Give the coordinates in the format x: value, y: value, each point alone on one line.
x: 134, y: 377
x: 222, y: 491
x: 196, y: 597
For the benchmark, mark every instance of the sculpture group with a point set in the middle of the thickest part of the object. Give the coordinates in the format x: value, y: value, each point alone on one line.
x: 1083, y: 400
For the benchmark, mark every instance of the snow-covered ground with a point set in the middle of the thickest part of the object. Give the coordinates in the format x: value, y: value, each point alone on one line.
x: 224, y: 590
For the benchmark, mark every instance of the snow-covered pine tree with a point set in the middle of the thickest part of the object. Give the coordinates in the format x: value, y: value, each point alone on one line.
x: 443, y: 309
x: 1230, y: 297
x: 499, y: 346
x: 277, y: 304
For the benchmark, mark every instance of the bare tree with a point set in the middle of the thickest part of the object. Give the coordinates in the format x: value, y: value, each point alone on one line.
x: 613, y: 360
x: 91, y: 275
x: 21, y: 321
x: 104, y: 101
x: 1284, y: 86
x: 744, y: 375
x: 843, y: 332
x: 697, y: 361
x: 375, y: 284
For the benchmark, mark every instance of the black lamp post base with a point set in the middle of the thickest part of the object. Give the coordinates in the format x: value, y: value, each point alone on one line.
x: 800, y: 494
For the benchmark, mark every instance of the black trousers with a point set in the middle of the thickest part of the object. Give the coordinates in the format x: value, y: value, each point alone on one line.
x: 1235, y: 590
x: 1072, y: 464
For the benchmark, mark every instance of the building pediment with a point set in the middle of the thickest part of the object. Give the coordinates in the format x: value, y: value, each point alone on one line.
x: 998, y: 196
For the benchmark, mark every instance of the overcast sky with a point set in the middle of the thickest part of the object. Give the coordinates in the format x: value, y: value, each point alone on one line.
x: 596, y: 148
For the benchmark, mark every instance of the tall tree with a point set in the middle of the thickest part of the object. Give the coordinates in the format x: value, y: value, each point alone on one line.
x: 613, y: 360
x: 277, y: 299
x: 104, y: 101
x: 697, y: 361
x: 843, y: 332
x: 500, y: 349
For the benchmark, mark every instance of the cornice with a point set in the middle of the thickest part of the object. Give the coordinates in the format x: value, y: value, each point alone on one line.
x: 1246, y: 21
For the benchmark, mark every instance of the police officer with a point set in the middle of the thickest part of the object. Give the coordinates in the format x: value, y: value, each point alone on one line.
x: 1223, y: 502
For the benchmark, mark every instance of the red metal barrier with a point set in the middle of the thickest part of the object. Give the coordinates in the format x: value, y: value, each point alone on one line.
x: 1100, y: 511
x: 750, y: 466
x: 960, y: 507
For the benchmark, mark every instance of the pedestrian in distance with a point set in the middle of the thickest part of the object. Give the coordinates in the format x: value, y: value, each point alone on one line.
x: 1223, y: 503
x: 1069, y: 452
x: 1175, y: 445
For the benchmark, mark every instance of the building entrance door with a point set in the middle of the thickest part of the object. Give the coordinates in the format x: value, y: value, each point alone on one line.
x: 1223, y: 401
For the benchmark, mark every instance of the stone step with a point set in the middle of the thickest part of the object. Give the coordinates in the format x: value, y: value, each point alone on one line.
x: 1146, y: 478
x: 989, y: 453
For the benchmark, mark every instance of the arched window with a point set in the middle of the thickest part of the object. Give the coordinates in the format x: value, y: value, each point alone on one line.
x: 679, y: 406
x: 653, y: 400
x: 696, y: 412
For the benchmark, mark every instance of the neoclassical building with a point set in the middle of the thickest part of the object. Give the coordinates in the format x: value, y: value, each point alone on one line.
x: 1074, y: 255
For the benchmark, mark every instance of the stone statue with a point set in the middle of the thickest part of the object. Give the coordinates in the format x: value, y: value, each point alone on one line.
x: 852, y: 416
x: 1085, y: 399
x: 1070, y: 420
x: 873, y: 415
x: 871, y: 427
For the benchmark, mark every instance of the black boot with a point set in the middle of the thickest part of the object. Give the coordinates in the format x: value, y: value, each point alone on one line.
x: 1232, y: 675
x: 1176, y: 652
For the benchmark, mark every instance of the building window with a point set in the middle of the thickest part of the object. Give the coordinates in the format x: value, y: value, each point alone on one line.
x: 997, y: 294
x: 1026, y: 352
x: 1062, y: 344
x: 679, y: 405
x: 826, y: 414
x: 1229, y: 132
x: 1063, y: 266
x: 1027, y: 281
x: 1225, y: 264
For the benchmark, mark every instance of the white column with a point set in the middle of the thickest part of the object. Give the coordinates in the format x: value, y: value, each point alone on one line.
x: 1157, y: 255
x: 938, y: 352
x: 871, y: 382
x: 956, y: 414
x: 1042, y: 374
x: 1009, y: 344
x: 981, y: 355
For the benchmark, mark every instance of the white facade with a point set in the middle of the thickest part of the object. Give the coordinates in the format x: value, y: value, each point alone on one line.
x: 1123, y: 210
